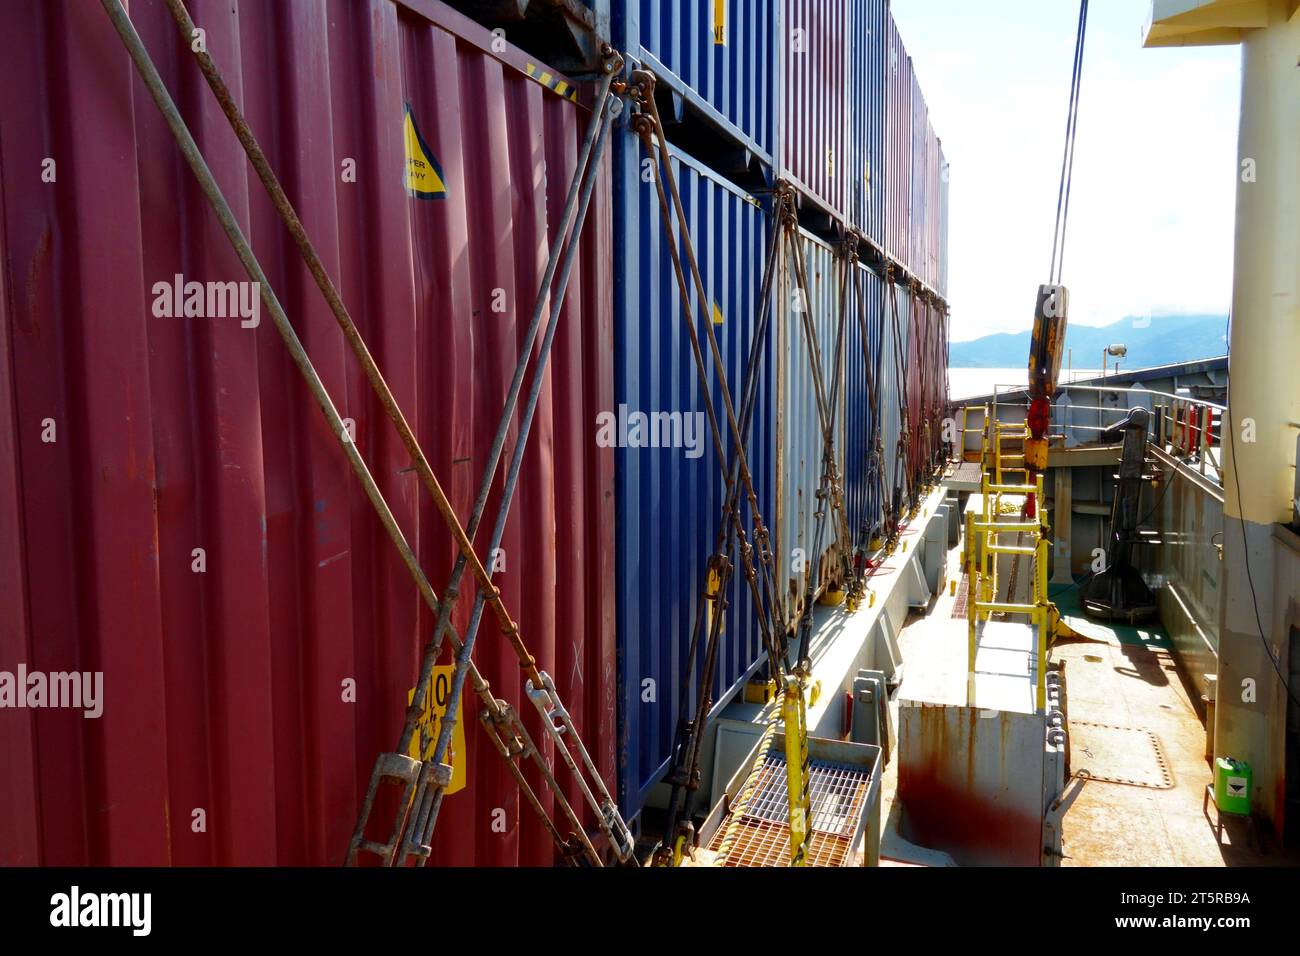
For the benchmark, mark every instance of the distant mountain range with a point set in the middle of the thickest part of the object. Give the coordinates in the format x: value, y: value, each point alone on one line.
x: 1165, y: 340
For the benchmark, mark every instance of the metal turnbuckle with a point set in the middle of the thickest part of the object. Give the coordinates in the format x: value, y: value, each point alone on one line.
x: 557, y: 721
x: 396, y: 768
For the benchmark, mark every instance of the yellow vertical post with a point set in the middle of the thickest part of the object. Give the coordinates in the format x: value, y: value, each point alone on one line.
x: 798, y: 804
x: 972, y: 597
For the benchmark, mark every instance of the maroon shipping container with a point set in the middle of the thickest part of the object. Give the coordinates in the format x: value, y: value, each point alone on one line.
x: 129, y: 440
x: 814, y: 39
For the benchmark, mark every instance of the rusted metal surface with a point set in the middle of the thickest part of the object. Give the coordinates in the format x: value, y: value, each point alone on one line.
x: 971, y: 782
x: 185, y: 433
x: 1118, y: 754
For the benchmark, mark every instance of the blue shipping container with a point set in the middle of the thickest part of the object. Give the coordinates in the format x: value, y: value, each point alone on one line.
x: 864, y: 465
x: 718, y: 56
x: 868, y: 57
x: 896, y: 327
x: 668, y: 502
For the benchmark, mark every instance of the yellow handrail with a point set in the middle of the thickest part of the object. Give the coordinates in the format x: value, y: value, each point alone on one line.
x: 982, y: 550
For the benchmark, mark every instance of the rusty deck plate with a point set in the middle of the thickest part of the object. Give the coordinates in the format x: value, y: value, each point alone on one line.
x: 1114, y: 754
x: 963, y: 595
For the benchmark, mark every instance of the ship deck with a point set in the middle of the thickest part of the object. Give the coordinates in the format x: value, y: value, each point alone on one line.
x: 1132, y: 719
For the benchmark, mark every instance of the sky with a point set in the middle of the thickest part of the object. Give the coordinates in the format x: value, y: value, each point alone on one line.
x: 1151, y: 213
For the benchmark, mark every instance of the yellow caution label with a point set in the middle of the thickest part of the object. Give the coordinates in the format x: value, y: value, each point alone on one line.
x: 719, y: 22
x: 429, y: 724
x: 423, y: 174
x: 713, y: 586
x: 717, y: 314
x: 551, y: 82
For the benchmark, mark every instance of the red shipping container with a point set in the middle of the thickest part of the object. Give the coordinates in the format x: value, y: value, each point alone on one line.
x: 813, y: 41
x: 129, y: 440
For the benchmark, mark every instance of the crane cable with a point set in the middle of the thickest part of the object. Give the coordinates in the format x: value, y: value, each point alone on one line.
x: 1067, y: 159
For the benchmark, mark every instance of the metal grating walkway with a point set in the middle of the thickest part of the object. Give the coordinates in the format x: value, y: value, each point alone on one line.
x: 762, y: 835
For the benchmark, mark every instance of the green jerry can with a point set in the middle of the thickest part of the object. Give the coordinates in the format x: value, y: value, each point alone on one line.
x: 1232, y: 786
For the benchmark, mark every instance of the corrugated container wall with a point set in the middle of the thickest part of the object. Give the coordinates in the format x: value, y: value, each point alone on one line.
x: 918, y: 183
x: 133, y: 440
x: 868, y: 56
x: 720, y: 53
x: 944, y: 173
x: 898, y: 144
x: 933, y: 221
x: 813, y: 47
x: 896, y: 328
x: 670, y: 499
x: 799, y: 429
x: 863, y: 467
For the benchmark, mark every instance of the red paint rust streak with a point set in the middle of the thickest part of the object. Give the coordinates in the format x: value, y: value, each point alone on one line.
x: 224, y: 689
x: 958, y: 813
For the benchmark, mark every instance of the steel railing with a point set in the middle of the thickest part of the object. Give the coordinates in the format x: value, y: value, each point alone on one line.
x: 1185, y: 428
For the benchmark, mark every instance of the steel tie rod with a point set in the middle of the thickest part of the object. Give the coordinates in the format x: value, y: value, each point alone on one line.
x: 730, y: 518
x: 221, y: 208
x: 540, y: 688
x: 257, y: 157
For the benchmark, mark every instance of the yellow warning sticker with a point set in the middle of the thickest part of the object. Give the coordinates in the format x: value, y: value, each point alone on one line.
x: 712, y: 586
x: 719, y: 22
x: 423, y: 174
x: 429, y: 724
x: 717, y: 314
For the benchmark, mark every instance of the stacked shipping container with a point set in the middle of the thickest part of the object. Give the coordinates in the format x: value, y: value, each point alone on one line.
x: 844, y: 122
x: 813, y: 49
x: 223, y: 685
x: 717, y: 56
x: 670, y: 498
x: 799, y: 437
x: 174, y: 511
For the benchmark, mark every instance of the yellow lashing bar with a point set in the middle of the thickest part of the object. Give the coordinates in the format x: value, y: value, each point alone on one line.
x: 799, y: 814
